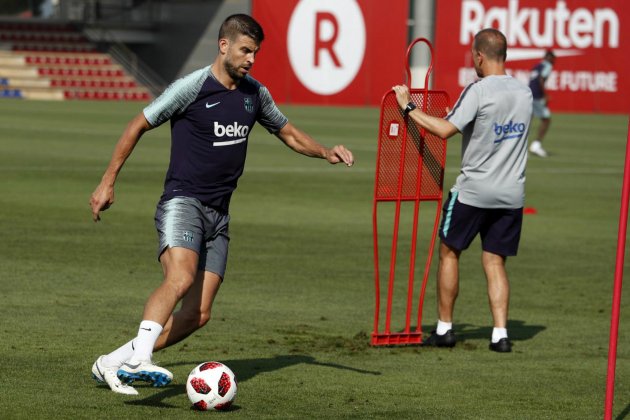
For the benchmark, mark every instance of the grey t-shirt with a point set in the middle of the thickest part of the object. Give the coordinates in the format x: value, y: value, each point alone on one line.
x: 493, y: 114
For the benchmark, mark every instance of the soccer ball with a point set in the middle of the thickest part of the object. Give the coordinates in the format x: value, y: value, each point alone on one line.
x: 211, y: 386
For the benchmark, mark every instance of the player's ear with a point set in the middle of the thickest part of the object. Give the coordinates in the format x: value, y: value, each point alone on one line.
x: 224, y: 44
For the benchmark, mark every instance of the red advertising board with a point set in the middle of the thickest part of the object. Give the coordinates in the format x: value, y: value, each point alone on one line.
x: 591, y: 40
x: 329, y: 51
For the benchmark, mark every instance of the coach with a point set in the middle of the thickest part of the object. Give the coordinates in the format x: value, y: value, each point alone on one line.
x: 493, y: 114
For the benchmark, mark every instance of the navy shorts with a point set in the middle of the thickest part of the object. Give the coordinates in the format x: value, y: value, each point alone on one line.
x: 499, y: 229
x: 185, y: 222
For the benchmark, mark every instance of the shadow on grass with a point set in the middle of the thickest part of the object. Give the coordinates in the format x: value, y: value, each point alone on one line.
x: 624, y: 413
x: 517, y: 330
x: 244, y: 369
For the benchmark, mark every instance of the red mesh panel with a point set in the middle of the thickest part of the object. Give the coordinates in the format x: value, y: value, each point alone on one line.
x: 420, y: 153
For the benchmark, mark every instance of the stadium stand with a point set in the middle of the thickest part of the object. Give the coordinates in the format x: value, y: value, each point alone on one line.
x: 55, y: 61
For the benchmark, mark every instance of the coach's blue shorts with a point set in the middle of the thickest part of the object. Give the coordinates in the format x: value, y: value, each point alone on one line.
x: 500, y: 229
x: 185, y: 222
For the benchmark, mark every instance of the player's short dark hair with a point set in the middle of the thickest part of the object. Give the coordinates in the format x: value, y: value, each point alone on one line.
x: 491, y: 43
x: 241, y: 24
x: 550, y: 54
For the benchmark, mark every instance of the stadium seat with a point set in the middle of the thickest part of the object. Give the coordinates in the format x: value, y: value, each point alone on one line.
x: 55, y: 61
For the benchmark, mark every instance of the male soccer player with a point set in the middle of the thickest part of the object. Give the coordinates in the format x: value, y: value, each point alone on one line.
x: 538, y: 78
x: 493, y: 115
x: 212, y: 112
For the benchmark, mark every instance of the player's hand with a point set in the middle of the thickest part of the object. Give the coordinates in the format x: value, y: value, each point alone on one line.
x: 339, y: 154
x: 102, y: 198
x: 403, y: 97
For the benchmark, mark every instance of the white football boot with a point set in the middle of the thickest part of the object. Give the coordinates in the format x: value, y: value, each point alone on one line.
x: 108, y: 375
x: 537, y: 149
x: 146, y: 371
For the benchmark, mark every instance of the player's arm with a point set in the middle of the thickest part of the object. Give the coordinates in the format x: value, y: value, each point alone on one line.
x: 103, y: 196
x: 438, y: 126
x: 302, y: 143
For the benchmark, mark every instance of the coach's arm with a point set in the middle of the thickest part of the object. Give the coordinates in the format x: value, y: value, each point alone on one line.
x: 302, y: 143
x: 438, y: 126
x: 103, y: 196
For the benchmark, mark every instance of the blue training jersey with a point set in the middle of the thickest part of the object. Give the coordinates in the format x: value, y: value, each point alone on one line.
x: 540, y: 70
x: 210, y: 126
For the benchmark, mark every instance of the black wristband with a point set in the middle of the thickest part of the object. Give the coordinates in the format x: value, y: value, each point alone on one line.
x: 410, y: 107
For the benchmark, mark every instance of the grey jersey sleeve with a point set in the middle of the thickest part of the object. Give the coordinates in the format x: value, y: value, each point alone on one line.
x: 176, y: 98
x: 270, y: 116
x: 466, y: 107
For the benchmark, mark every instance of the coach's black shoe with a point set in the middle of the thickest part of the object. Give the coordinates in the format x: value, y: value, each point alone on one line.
x: 435, y: 340
x: 502, y: 346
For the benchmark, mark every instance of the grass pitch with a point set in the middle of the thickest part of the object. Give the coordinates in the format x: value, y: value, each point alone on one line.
x: 294, y: 315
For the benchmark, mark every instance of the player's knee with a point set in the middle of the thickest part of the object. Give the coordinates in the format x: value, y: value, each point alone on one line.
x: 204, y: 318
x: 197, y: 318
x: 180, y: 283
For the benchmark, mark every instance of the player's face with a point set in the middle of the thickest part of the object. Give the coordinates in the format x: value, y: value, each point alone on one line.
x: 239, y: 56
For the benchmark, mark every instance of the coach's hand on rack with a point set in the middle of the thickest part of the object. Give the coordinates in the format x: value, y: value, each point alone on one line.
x: 403, y: 97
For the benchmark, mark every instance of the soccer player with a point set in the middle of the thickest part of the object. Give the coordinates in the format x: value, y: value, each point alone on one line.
x: 493, y: 115
x: 212, y: 112
x: 537, y: 81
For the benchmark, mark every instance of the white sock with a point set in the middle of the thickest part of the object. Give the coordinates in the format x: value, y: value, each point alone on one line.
x: 119, y: 356
x: 498, y: 334
x: 148, y: 334
x: 443, y: 327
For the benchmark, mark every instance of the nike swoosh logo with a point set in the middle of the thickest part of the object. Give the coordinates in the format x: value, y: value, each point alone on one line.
x: 211, y: 105
x: 146, y: 329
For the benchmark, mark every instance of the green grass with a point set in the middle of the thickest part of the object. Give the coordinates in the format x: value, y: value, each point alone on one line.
x: 294, y: 315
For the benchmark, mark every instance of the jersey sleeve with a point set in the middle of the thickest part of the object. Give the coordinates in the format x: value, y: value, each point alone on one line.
x: 465, y: 110
x: 545, y: 71
x: 176, y: 98
x: 269, y: 115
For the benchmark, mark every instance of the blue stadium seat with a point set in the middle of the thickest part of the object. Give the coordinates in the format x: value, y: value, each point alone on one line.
x: 11, y: 93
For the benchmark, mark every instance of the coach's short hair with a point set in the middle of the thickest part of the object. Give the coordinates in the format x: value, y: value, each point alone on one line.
x: 491, y: 43
x: 241, y: 24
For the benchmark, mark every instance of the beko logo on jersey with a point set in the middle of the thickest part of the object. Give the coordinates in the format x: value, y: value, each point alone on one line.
x: 232, y: 130
x: 511, y: 130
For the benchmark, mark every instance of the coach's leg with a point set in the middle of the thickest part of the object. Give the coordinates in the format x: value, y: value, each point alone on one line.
x: 448, y: 282
x: 194, y: 312
x: 498, y: 287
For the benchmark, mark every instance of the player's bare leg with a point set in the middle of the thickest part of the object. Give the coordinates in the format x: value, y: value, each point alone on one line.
x: 448, y: 282
x: 447, y: 291
x: 498, y: 287
x: 542, y: 129
x: 194, y: 312
x: 536, y: 146
x: 180, y: 269
x: 499, y: 299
